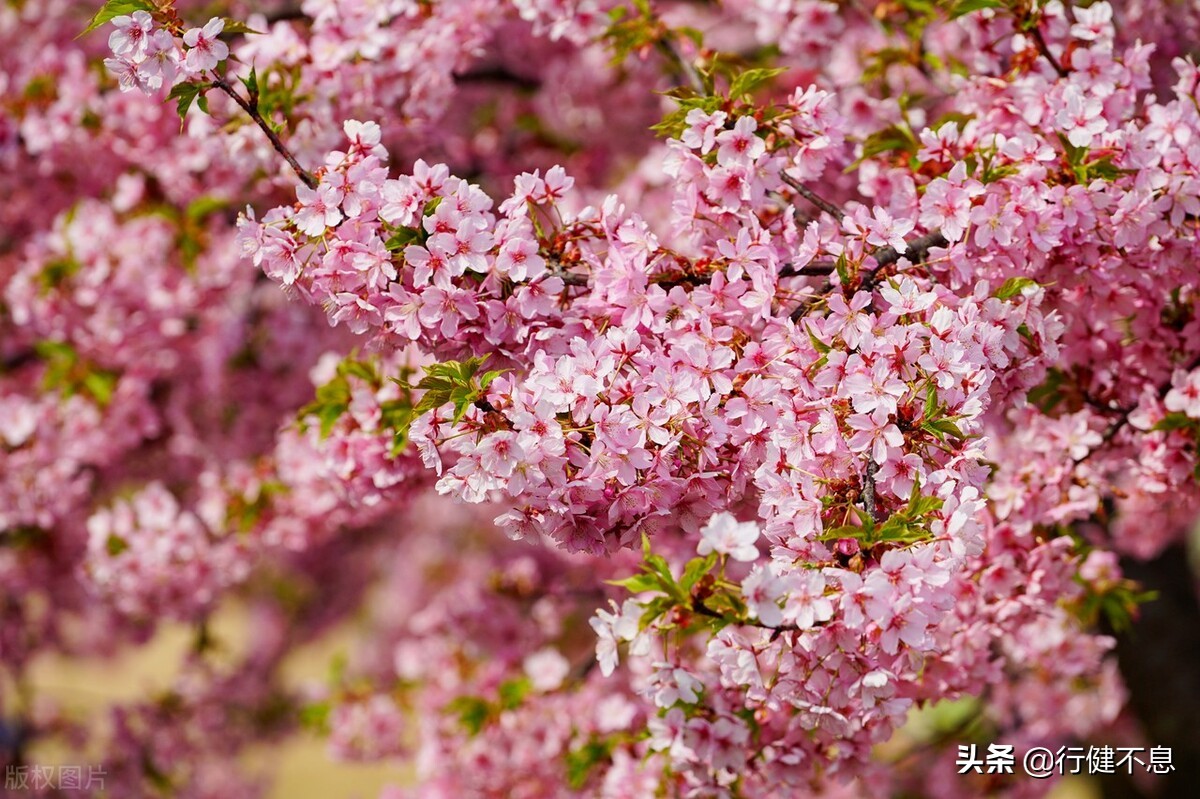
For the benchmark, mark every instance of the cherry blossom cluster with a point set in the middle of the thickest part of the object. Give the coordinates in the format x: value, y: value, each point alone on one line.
x: 154, y: 558
x: 825, y: 411
x: 660, y: 373
x: 149, y: 56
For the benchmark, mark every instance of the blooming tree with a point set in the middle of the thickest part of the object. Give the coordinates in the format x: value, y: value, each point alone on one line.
x: 799, y: 380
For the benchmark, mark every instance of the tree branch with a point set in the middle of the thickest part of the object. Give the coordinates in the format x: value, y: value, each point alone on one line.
x: 868, y: 491
x: 916, y: 250
x: 496, y: 74
x: 699, y: 607
x: 1159, y: 657
x: 820, y: 202
x: 251, y: 108
x: 286, y: 13
x: 816, y: 268
x: 1040, y: 42
x: 1123, y: 420
x: 686, y: 68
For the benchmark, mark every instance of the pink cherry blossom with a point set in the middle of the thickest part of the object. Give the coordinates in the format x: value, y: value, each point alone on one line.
x: 205, y: 50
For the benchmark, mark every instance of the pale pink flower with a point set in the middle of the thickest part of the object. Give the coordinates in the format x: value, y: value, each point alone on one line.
x: 205, y: 49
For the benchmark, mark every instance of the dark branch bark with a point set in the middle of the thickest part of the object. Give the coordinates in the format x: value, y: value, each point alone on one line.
x: 813, y: 197
x: 1123, y: 420
x: 1040, y: 42
x: 686, y: 69
x: 868, y: 491
x: 286, y: 13
x: 498, y: 75
x: 251, y: 108
x: 816, y: 268
x: 916, y: 250
x: 1159, y: 659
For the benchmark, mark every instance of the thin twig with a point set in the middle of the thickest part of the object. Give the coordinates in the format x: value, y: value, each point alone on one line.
x: 814, y: 198
x: 1120, y: 423
x: 251, y: 108
x: 915, y: 250
x: 1040, y: 42
x: 816, y: 268
x: 286, y: 13
x: 686, y: 68
x: 17, y: 359
x: 498, y: 75
x: 698, y: 606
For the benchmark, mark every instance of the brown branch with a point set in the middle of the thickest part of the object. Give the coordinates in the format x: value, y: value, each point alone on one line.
x: 17, y: 359
x: 1120, y: 423
x: 816, y: 268
x: 868, y: 491
x: 286, y: 13
x: 698, y: 606
x: 496, y: 74
x: 686, y: 69
x: 1040, y: 42
x: 916, y: 250
x: 1158, y: 658
x: 251, y: 108
x: 814, y: 198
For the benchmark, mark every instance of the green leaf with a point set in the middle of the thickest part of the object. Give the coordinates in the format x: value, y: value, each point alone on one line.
x: 843, y: 269
x: 115, y: 8
x: 184, y: 94
x: 899, y: 531
x: 488, y: 377
x: 818, y: 345
x: 316, y: 716
x: 1047, y: 396
x: 58, y: 272
x: 251, y: 84
x: 696, y: 37
x: 1176, y: 421
x: 204, y: 207
x: 844, y: 531
x: 455, y: 382
x: 864, y: 518
x: 100, y: 384
x: 695, y: 569
x: 332, y: 400
x: 513, y: 692
x: 655, y: 608
x: 363, y: 371
x: 637, y: 583
x: 473, y: 712
x: 1014, y: 286
x: 750, y: 80
x: 237, y: 26
x: 115, y: 545
x: 964, y: 7
x: 924, y: 505
x: 931, y: 401
x: 943, y: 427
x: 581, y: 762
x: 69, y: 374
x: 892, y: 139
x: 404, y: 237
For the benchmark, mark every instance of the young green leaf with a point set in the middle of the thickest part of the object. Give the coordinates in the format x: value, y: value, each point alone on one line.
x: 115, y: 8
